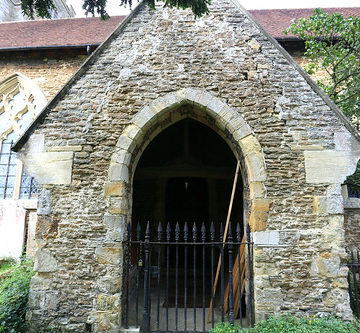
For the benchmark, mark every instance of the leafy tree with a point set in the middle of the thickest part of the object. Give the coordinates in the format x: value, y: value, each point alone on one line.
x: 43, y: 8
x: 332, y: 43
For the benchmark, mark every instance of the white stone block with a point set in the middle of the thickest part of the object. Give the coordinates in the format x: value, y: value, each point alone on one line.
x: 266, y: 238
x: 50, y: 167
x: 329, y: 166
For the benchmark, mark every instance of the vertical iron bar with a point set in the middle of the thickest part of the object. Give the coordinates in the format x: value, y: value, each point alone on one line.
x: 168, y: 231
x: 231, y: 292
x: 222, y: 270
x: 212, y: 238
x: 186, y: 235
x: 238, y: 238
x: 30, y: 188
x: 158, y: 278
x: 353, y: 269
x: 194, y: 230
x: 177, y: 235
x: 146, y: 314
x: 203, y: 238
x: 138, y: 268
x: 7, y: 171
x: 248, y: 239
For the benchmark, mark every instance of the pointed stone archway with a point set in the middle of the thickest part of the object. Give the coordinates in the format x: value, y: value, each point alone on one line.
x: 149, y: 122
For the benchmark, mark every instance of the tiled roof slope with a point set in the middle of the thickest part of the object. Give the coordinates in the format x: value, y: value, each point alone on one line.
x: 92, y: 31
x: 275, y: 20
x: 59, y: 32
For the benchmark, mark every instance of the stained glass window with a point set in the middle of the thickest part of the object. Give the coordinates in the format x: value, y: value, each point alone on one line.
x: 20, y: 102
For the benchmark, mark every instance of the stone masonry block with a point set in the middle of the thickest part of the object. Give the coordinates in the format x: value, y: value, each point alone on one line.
x: 190, y: 95
x: 115, y: 189
x: 145, y: 116
x: 45, y: 262
x: 255, y: 167
x: 249, y: 145
x: 266, y: 238
x: 124, y: 142
x: 329, y: 166
x: 226, y: 114
x: 51, y: 167
x: 119, y: 173
x: 108, y: 255
x: 132, y: 131
x: 257, y: 190
x: 118, y: 205
x: 328, y: 205
x: 214, y: 106
x: 239, y: 126
x: 122, y: 157
x: 202, y: 99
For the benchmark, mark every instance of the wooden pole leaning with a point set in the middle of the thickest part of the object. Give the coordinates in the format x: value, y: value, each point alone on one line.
x: 225, y: 234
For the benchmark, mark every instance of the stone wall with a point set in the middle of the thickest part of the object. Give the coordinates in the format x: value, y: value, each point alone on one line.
x: 295, y: 152
x: 49, y: 73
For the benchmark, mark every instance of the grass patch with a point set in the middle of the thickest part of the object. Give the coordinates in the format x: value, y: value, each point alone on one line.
x: 290, y: 324
x: 6, y: 265
x: 14, y: 291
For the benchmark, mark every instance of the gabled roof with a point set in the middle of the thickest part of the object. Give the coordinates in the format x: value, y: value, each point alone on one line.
x: 56, y: 33
x: 77, y: 32
x: 93, y: 57
x: 275, y: 20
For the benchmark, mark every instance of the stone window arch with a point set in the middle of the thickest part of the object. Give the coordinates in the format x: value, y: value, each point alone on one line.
x: 21, y: 100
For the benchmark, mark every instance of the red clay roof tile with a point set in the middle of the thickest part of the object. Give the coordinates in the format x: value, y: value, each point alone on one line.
x: 58, y: 32
x: 93, y: 31
x: 275, y: 20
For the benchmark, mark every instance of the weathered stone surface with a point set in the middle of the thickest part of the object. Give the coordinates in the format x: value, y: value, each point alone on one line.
x: 45, y: 262
x: 221, y: 61
x: 327, y: 264
x: 50, y: 167
x: 329, y: 166
x: 108, y: 255
x: 266, y: 238
x: 44, y: 202
x: 115, y: 188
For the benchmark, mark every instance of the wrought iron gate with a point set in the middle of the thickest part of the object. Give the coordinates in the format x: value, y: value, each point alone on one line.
x: 171, y: 277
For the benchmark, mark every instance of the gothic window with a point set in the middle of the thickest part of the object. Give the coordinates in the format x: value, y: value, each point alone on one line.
x: 20, y: 102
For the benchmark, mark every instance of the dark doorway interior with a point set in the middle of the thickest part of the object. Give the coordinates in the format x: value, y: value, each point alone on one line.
x: 186, y: 200
x: 185, y: 175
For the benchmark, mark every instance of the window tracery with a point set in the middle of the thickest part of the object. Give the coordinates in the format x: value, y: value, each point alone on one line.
x: 20, y: 103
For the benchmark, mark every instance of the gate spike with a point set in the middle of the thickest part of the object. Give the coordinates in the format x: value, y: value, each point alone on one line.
x: 177, y: 231
x: 138, y: 231
x: 238, y: 232
x: 186, y: 232
x: 248, y: 233
x: 203, y: 232
x: 168, y: 231
x: 212, y: 231
x: 229, y: 232
x: 159, y: 230
x: 147, y: 232
x: 194, y: 231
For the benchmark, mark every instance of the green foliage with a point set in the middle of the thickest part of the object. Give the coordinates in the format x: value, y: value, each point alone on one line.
x: 290, y: 324
x: 225, y: 328
x: 14, y: 291
x: 43, y: 8
x: 332, y: 43
x: 6, y: 264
